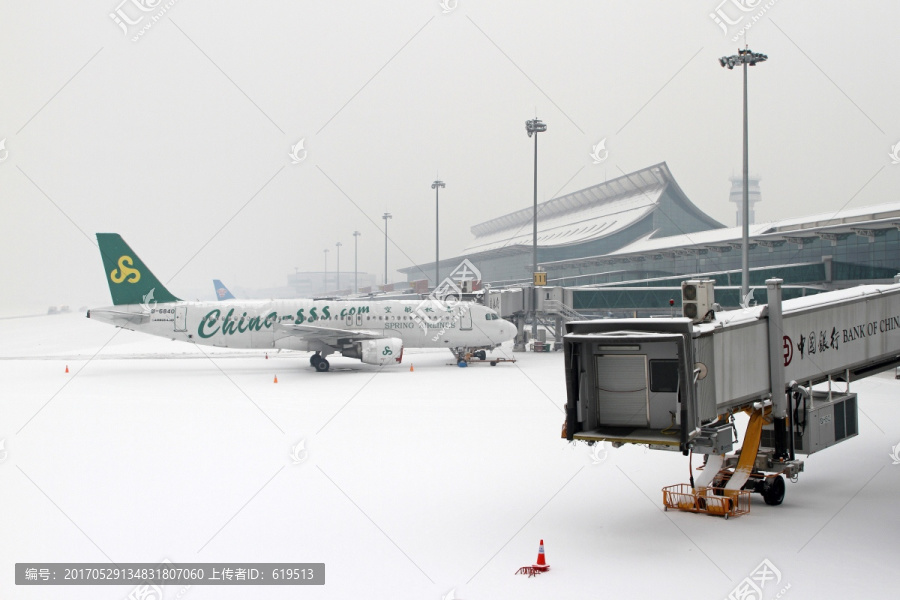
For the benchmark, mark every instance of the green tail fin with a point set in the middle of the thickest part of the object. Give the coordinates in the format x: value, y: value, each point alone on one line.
x: 129, y: 279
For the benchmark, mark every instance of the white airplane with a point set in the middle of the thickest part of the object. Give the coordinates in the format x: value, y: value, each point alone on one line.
x: 373, y: 331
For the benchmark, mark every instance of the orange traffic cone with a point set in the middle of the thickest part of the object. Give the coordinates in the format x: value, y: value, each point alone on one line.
x: 411, y: 367
x: 540, y: 566
x: 67, y: 368
x: 541, y: 563
x: 276, y: 379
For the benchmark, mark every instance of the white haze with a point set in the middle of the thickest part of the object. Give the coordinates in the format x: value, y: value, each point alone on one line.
x: 180, y: 141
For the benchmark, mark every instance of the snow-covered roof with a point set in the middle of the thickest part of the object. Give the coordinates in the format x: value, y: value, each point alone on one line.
x: 588, y: 223
x: 846, y: 216
x: 592, y: 213
x: 730, y: 318
x: 697, y: 238
x: 881, y: 216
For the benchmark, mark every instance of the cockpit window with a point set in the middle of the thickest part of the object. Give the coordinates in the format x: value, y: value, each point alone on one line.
x: 490, y: 317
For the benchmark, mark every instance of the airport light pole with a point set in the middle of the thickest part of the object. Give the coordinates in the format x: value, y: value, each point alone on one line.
x: 534, y: 127
x: 436, y: 186
x: 356, y: 235
x: 338, y: 284
x: 744, y: 57
x: 385, y: 216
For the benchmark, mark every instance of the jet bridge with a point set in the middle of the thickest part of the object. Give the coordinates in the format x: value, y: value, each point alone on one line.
x: 677, y: 383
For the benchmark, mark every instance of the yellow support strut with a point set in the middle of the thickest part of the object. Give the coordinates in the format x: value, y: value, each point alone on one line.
x: 749, y: 449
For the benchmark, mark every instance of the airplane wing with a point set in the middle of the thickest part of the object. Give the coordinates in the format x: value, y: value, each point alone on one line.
x: 328, y: 335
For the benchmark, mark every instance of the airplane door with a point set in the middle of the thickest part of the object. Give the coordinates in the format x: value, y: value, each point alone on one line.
x: 180, y: 318
x: 465, y: 320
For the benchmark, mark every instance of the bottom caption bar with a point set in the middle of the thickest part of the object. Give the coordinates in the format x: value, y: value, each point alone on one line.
x: 169, y: 573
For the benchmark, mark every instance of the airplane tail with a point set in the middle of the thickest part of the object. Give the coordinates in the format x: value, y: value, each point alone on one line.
x: 130, y: 281
x: 222, y: 292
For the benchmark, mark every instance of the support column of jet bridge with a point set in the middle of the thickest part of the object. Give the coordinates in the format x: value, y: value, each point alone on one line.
x: 776, y: 368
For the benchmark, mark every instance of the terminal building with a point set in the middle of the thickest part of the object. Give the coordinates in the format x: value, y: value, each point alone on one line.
x: 623, y: 247
x: 590, y: 222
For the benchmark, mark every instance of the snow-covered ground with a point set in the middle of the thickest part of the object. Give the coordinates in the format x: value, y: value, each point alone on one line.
x: 434, y: 483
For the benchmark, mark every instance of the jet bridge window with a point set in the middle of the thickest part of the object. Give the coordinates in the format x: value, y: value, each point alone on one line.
x: 663, y: 375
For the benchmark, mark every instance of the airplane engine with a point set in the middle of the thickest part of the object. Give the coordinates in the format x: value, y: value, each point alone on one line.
x: 384, y: 351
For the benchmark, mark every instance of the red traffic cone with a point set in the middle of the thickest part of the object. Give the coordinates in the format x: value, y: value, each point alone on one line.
x: 541, y: 563
x: 67, y: 368
x: 540, y: 566
x: 276, y: 379
x: 267, y: 356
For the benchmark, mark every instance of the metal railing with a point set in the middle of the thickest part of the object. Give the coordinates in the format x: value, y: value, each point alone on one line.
x: 557, y: 307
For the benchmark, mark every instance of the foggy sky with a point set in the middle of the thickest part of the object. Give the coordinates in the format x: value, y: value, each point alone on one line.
x: 180, y: 141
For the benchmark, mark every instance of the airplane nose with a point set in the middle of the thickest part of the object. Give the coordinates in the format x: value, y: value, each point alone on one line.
x: 507, y: 330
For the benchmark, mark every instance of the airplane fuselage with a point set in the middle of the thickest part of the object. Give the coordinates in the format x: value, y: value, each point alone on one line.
x: 262, y: 324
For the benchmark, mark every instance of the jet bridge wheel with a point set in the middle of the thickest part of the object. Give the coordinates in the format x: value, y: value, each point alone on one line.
x: 322, y: 365
x: 773, y: 493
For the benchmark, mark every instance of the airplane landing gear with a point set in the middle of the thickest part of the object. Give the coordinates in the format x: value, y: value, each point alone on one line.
x: 464, y: 356
x: 318, y: 361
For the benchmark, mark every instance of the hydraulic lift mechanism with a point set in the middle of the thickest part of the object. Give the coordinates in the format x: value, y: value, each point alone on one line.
x: 677, y: 383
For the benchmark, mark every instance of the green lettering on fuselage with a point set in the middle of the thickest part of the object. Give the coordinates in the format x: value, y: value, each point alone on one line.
x: 210, y: 325
x: 210, y: 318
x: 228, y: 325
